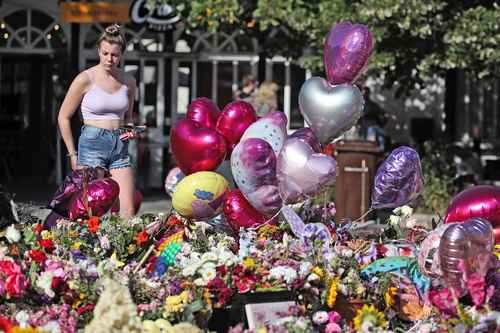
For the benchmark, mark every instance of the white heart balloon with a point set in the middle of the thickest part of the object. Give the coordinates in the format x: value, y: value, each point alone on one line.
x: 330, y: 110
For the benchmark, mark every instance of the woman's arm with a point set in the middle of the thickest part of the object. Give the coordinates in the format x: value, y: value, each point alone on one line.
x: 129, y: 116
x: 69, y: 106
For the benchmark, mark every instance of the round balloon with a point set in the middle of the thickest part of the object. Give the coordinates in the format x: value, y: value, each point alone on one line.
x: 476, y: 201
x: 347, y: 49
x: 196, y: 148
x: 101, y: 195
x: 398, y: 180
x: 239, y: 213
x: 137, y: 203
x: 203, y: 111
x: 200, y: 195
x: 253, y: 163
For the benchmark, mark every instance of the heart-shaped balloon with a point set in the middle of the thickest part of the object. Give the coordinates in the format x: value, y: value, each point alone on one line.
x: 196, y: 148
x: 346, y: 52
x: 235, y: 118
x: 302, y: 173
x: 307, y: 135
x: 476, y: 201
x: 329, y: 110
x: 101, y: 195
x: 253, y: 163
x: 271, y: 128
x: 203, y: 111
x: 239, y: 213
x: 398, y: 179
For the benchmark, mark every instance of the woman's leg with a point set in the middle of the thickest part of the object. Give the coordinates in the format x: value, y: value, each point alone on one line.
x: 125, y: 178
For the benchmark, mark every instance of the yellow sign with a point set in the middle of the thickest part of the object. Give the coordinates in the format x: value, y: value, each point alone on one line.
x: 83, y: 12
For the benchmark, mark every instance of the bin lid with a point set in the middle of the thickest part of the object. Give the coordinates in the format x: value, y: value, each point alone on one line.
x: 360, y: 146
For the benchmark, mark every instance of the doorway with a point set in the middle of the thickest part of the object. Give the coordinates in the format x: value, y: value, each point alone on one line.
x: 27, y: 121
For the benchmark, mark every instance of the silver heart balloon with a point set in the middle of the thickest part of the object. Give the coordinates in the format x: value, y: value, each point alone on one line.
x: 329, y: 110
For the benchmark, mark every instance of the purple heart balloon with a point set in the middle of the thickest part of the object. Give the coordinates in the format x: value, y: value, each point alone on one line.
x: 398, y: 180
x: 346, y: 52
x: 253, y: 164
x: 303, y: 173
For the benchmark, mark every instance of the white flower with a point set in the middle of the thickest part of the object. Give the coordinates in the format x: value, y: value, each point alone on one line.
x: 283, y: 272
x: 320, y: 317
x: 12, y: 234
x: 44, y: 282
x: 305, y: 267
x: 394, y: 220
x: 406, y: 211
x: 105, y: 242
x: 209, y: 256
x: 410, y: 223
x: 190, y: 270
x: 51, y: 326
x: 22, y: 318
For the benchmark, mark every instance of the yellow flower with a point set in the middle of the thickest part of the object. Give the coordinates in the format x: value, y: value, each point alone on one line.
x: 318, y: 271
x: 496, y: 251
x: 389, y: 296
x: 209, y: 11
x: 369, y: 314
x: 331, y: 297
x: 131, y: 248
x: 29, y: 329
x: 115, y: 261
x: 262, y: 330
x: 72, y: 234
x: 46, y: 234
x: 157, y: 326
x: 206, y: 296
x: 76, y: 246
x: 176, y: 303
x: 249, y: 262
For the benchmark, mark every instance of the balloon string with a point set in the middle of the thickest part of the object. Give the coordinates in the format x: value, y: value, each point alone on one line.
x: 267, y: 222
x: 363, y: 216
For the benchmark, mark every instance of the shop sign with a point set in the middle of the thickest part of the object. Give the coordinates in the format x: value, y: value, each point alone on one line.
x: 89, y: 12
x: 161, y: 17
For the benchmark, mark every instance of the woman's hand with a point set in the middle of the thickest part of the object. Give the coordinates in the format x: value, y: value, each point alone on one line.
x: 73, y: 160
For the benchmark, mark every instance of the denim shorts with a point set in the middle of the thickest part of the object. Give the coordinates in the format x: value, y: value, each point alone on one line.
x: 102, y: 147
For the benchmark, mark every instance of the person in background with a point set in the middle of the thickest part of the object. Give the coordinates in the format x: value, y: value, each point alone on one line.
x: 105, y: 94
x: 266, y: 99
x: 372, y: 121
x: 248, y: 88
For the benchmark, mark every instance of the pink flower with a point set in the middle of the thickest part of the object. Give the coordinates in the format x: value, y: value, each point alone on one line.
x: 320, y: 317
x: 15, y: 285
x: 333, y: 328
x: 334, y: 317
x: 9, y: 267
x: 476, y: 285
x: 443, y: 300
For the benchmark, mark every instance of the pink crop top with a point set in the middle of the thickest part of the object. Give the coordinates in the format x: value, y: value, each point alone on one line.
x: 98, y: 104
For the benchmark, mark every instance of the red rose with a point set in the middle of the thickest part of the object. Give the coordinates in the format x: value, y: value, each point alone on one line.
x: 47, y: 244
x: 58, y: 285
x: 5, y: 325
x: 86, y: 308
x: 9, y: 267
x: 15, y: 285
x: 142, y: 238
x: 37, y: 256
x: 93, y: 224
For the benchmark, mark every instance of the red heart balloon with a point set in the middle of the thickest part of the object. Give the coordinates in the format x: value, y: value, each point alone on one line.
x: 234, y: 120
x: 203, y: 111
x: 196, y: 148
x: 476, y: 201
x: 101, y: 194
x: 137, y: 203
x: 239, y: 213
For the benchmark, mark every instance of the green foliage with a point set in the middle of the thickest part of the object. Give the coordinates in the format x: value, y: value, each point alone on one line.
x: 414, y: 39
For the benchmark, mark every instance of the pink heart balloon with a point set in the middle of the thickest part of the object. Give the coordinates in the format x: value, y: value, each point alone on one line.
x: 253, y: 164
x: 137, y: 203
x: 203, y: 111
x: 303, y: 173
x: 346, y: 52
x: 239, y: 213
x: 101, y: 195
x: 476, y: 201
x: 236, y: 117
x: 196, y: 148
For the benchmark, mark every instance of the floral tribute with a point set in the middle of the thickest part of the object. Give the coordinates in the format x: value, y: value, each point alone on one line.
x: 164, y: 273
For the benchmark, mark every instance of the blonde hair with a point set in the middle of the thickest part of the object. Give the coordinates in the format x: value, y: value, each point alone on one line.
x: 112, y: 35
x: 266, y: 94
